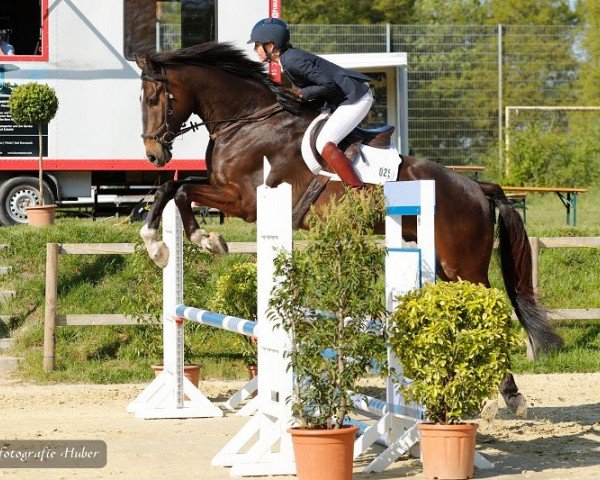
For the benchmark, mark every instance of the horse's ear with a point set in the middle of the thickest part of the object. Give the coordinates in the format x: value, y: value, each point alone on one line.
x: 143, y: 61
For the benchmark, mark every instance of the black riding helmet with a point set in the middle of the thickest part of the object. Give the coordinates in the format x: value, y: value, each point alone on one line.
x: 271, y: 30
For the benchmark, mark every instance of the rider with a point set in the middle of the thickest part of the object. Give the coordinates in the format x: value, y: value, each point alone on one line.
x: 345, y: 92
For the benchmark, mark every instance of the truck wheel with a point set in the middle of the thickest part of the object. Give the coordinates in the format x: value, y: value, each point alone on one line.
x: 18, y: 193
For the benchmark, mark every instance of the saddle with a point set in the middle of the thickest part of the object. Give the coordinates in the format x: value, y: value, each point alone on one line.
x: 379, y: 165
x: 380, y: 137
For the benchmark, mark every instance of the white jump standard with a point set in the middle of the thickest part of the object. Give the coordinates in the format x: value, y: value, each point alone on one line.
x: 165, y: 396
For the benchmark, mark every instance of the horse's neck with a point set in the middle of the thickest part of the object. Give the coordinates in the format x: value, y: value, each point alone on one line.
x: 221, y: 95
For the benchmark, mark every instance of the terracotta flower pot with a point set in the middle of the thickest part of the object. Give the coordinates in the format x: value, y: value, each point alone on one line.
x: 191, y: 372
x: 41, y: 215
x: 252, y: 373
x: 324, y: 454
x: 448, y: 451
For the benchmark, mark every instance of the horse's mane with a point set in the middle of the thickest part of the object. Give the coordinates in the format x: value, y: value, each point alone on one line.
x: 228, y: 58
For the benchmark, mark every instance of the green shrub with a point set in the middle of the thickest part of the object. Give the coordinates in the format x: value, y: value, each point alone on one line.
x: 236, y: 292
x: 236, y: 295
x: 547, y: 158
x: 327, y: 292
x: 453, y: 341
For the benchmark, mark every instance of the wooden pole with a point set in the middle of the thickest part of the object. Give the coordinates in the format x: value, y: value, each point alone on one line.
x: 535, y: 258
x: 40, y: 164
x: 50, y: 305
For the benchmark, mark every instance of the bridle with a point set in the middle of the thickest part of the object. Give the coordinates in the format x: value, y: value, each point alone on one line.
x: 165, y: 136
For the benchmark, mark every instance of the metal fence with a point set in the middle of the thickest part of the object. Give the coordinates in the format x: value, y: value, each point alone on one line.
x: 168, y: 37
x: 460, y: 77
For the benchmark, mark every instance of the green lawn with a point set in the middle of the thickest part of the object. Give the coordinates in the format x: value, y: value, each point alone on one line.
x: 569, y: 278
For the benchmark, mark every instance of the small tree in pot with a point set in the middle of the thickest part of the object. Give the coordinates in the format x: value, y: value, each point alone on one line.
x: 331, y: 302
x: 35, y: 104
x: 453, y: 341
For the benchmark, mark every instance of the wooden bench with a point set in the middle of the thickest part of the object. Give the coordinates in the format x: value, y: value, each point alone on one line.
x: 567, y: 195
x: 517, y: 200
x: 474, y: 169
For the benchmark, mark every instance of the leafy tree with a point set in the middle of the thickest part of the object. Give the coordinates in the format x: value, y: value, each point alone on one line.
x: 544, y: 157
x: 344, y: 12
x: 449, y: 12
x: 330, y: 300
x: 589, y: 74
x: 453, y: 74
x: 529, y: 12
x: 34, y: 104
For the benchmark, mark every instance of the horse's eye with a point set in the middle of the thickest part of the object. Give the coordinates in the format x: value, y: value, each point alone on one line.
x: 152, y: 95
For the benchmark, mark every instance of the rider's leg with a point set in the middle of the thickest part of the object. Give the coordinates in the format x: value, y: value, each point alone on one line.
x: 340, y: 164
x: 341, y: 123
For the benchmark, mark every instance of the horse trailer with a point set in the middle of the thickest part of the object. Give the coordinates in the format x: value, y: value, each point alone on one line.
x: 92, y: 149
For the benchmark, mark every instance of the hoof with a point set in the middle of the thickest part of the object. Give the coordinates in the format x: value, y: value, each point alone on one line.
x: 214, y: 243
x: 489, y: 410
x: 518, y: 405
x: 415, y: 451
x: 160, y: 255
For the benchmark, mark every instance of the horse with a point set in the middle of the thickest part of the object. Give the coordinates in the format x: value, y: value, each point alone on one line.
x: 250, y: 117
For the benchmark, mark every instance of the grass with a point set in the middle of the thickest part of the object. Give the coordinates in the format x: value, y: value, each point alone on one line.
x: 569, y: 278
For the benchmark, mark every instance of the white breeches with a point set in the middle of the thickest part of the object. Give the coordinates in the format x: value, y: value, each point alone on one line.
x: 343, y: 120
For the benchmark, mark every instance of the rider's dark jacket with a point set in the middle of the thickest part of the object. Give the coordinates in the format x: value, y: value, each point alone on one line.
x: 319, y: 79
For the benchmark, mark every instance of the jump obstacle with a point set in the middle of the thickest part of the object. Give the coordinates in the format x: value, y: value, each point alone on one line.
x: 395, y: 422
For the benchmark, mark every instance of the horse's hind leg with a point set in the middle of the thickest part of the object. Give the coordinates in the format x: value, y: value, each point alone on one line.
x: 514, y: 400
x: 157, y: 250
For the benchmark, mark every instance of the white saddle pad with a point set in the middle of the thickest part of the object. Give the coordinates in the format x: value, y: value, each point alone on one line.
x: 373, y: 165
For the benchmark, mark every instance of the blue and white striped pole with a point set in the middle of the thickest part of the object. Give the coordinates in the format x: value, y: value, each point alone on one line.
x: 217, y: 320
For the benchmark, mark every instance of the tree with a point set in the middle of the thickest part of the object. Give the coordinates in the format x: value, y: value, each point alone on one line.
x: 343, y: 12
x: 529, y: 12
x: 449, y: 12
x: 34, y: 104
x: 589, y: 74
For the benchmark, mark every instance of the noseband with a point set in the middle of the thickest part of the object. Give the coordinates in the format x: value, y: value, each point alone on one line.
x: 165, y: 136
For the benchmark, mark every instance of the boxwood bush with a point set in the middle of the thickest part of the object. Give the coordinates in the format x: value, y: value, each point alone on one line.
x: 453, y: 341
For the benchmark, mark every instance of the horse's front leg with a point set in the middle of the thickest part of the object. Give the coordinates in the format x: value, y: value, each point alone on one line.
x: 227, y: 198
x: 157, y: 250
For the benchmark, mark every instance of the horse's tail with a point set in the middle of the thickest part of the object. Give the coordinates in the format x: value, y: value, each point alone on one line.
x: 515, y: 260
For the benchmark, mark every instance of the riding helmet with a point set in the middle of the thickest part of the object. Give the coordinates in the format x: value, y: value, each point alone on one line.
x: 271, y: 30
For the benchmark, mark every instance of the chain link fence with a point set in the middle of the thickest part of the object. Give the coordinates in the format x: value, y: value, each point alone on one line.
x: 460, y: 77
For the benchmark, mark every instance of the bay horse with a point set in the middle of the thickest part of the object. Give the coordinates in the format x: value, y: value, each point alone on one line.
x: 249, y: 117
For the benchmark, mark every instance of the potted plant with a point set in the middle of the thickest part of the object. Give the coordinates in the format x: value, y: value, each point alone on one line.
x: 453, y: 342
x: 235, y: 295
x: 35, y: 104
x: 330, y: 302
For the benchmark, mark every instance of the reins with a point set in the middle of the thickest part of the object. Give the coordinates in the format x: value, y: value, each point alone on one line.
x: 166, y: 139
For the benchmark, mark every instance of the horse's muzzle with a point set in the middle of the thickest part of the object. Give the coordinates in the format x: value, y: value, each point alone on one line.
x: 159, y: 159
